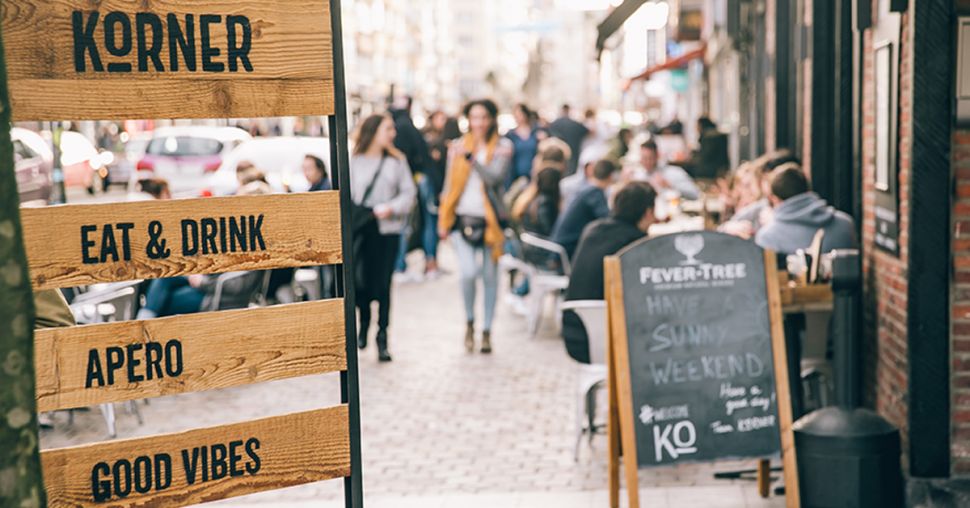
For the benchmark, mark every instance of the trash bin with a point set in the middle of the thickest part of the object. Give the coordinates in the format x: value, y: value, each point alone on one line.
x: 848, y: 457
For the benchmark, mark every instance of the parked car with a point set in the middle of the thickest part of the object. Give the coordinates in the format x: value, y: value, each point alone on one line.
x: 124, y: 169
x: 84, y: 166
x: 279, y: 158
x: 33, y: 164
x: 185, y: 156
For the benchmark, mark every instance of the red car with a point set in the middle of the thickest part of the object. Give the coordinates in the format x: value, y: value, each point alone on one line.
x: 33, y: 163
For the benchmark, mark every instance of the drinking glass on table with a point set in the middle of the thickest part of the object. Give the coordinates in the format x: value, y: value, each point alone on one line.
x: 798, y: 267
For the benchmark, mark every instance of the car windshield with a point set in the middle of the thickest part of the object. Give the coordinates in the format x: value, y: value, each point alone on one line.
x: 184, y: 146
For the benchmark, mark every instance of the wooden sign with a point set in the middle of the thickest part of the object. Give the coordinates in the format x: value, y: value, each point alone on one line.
x: 127, y: 59
x: 693, y: 360
x: 123, y: 59
x: 80, y: 244
x: 203, y: 464
x: 113, y: 362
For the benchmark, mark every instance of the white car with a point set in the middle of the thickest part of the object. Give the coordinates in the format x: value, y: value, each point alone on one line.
x: 279, y: 158
x: 186, y: 156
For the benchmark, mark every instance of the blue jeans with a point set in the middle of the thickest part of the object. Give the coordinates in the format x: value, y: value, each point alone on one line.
x: 171, y: 296
x: 470, y: 270
x: 429, y: 235
x: 400, y: 263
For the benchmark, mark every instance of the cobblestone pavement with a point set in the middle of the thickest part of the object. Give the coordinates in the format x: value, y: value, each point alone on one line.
x: 437, y: 421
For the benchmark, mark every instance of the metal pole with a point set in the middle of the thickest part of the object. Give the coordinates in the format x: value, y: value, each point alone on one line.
x: 339, y: 163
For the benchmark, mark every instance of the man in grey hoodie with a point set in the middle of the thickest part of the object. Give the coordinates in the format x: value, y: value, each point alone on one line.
x: 799, y: 213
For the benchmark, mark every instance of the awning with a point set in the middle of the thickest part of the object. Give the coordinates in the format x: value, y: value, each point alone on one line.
x: 614, y: 21
x: 673, y: 63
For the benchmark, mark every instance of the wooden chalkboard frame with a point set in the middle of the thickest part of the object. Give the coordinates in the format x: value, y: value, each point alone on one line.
x: 621, y: 428
x: 336, y: 430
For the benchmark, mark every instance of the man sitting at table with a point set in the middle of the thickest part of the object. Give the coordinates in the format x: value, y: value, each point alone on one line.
x: 799, y: 214
x: 663, y: 176
x: 590, y: 204
x: 629, y: 221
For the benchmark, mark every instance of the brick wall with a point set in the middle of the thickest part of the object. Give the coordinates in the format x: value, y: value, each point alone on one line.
x: 885, y: 301
x: 960, y: 306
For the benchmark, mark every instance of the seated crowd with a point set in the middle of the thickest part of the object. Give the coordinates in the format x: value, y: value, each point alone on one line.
x: 609, y: 203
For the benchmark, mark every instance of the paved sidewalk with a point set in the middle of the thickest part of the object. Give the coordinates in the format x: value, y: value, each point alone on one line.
x: 441, y: 427
x: 735, y: 496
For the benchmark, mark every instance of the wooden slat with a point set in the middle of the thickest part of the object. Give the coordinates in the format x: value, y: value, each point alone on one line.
x: 218, y: 350
x: 293, y: 449
x: 36, y: 99
x: 621, y: 373
x: 297, y: 230
x: 782, y: 389
x: 290, y: 55
x: 613, y: 415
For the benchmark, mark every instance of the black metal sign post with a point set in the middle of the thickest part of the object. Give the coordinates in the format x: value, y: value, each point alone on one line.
x: 340, y: 167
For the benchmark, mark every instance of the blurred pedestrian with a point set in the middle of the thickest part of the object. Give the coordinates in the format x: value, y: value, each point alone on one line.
x: 380, y: 181
x: 538, y: 214
x: 619, y: 146
x: 410, y: 142
x: 151, y: 189
x: 525, y: 144
x: 315, y: 171
x: 573, y: 184
x: 552, y: 152
x: 429, y: 189
x: 572, y: 132
x: 469, y: 211
x: 663, y: 176
x: 590, y: 204
x: 711, y: 158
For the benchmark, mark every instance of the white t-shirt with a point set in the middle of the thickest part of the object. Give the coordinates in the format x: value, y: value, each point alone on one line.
x: 472, y: 201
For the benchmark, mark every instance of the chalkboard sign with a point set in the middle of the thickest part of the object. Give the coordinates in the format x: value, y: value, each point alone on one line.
x: 694, y: 320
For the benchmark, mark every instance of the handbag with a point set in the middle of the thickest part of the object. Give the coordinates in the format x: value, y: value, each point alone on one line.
x: 472, y: 229
x: 362, y: 216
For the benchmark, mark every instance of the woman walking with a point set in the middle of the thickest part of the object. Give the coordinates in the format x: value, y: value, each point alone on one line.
x: 477, y: 165
x: 525, y: 144
x: 381, y: 185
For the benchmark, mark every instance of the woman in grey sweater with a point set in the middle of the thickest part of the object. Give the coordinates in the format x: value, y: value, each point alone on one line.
x: 381, y: 180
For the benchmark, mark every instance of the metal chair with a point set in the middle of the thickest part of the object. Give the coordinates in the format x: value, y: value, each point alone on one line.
x: 106, y: 303
x: 592, y: 376
x: 223, y: 278
x: 544, y: 279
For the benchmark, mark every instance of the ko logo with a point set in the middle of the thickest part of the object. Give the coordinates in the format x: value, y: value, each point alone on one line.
x: 677, y: 439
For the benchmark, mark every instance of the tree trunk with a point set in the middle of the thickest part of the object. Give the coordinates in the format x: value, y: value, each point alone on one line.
x: 21, y: 482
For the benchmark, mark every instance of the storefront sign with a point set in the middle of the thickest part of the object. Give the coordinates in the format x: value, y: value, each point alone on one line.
x: 70, y: 246
x: 120, y: 60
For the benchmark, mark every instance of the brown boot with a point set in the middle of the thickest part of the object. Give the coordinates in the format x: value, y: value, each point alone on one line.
x: 470, y: 337
x: 486, y: 342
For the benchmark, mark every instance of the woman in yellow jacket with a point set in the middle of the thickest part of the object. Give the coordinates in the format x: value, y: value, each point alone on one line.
x: 480, y: 158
